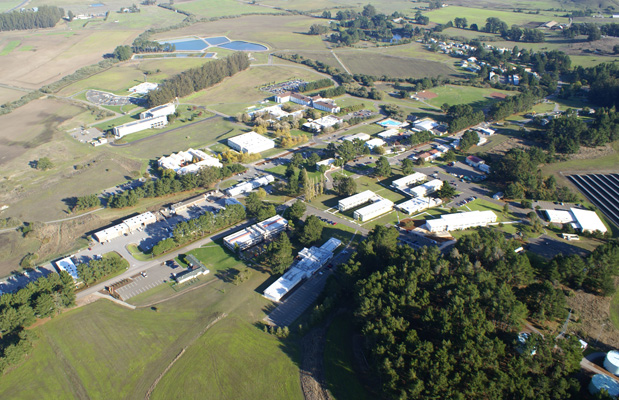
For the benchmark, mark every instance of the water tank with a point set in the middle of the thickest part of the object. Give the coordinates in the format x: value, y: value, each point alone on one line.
x: 611, y: 362
x: 600, y: 381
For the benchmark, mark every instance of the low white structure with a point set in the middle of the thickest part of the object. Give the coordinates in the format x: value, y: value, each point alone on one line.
x: 457, y: 221
x: 425, y: 189
x: 418, y: 204
x: 319, y: 124
x: 601, y: 381
x: 583, y: 220
x: 388, y: 133
x: 373, y: 210
x: 312, y: 260
x: 189, y: 274
x: 127, y: 226
x: 277, y: 112
x: 160, y: 111
x: 251, y: 143
x: 256, y: 233
x: 361, y: 136
x: 184, y: 205
x: 143, y: 88
x: 140, y: 125
x: 405, y: 182
x: 183, y: 161
x: 611, y: 362
x: 67, y: 264
x: 246, y: 187
x: 356, y: 200
x: 328, y: 162
x: 376, y: 142
x: 559, y: 216
x: 486, y: 131
x: 327, y: 105
x: 425, y: 124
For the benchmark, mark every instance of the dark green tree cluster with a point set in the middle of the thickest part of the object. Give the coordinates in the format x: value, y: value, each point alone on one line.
x: 86, y: 202
x: 95, y: 270
x: 42, y: 298
x: 591, y: 30
x: 515, y: 104
x: 518, y: 172
x: 349, y: 150
x: 518, y: 34
x: 295, y: 211
x: 315, y: 85
x: 311, y: 231
x: 344, y: 185
x: 278, y: 256
x: 196, y: 79
x: 383, y: 168
x: 603, y: 80
x: 172, y: 183
x: 317, y: 29
x: 567, y: 133
x: 447, y: 191
x: 462, y: 116
x: 468, y: 140
x: 123, y: 53
x: 44, y: 163
x: 394, y: 111
x: 258, y: 208
x: 144, y: 45
x: 420, y: 137
x: 441, y: 326
x: 195, y: 228
x: 44, y: 17
x: 495, y: 25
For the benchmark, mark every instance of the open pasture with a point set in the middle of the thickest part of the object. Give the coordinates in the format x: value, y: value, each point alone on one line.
x: 367, y: 62
x: 477, y: 97
x: 479, y: 15
x: 222, y: 8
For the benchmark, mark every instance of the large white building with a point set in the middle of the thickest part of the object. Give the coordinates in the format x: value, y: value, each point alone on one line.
x: 140, y: 125
x: 376, y: 142
x: 67, y: 264
x: 425, y: 124
x: 312, y: 260
x: 425, y: 189
x: 373, y: 210
x: 457, y: 221
x: 319, y: 124
x: 361, y: 136
x: 183, y: 161
x: 246, y: 187
x: 405, y: 182
x: 418, y: 204
x: 127, y: 226
x: 251, y: 143
x: 356, y: 200
x: 583, y: 220
x: 160, y: 111
x: 143, y: 88
x: 256, y: 233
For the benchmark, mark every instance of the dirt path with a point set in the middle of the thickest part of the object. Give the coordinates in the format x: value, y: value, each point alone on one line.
x: 340, y: 62
x: 207, y: 327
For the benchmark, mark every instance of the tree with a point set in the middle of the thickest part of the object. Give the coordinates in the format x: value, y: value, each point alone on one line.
x: 468, y: 140
x: 312, y: 230
x: 344, y: 185
x: 281, y: 256
x: 317, y: 29
x: 266, y: 211
x: 447, y: 191
x: 383, y: 168
x: 297, y: 160
x: 44, y: 164
x: 253, y: 203
x: 295, y: 211
x: 123, y: 53
x: 450, y: 156
x: 70, y: 15
x: 407, y: 166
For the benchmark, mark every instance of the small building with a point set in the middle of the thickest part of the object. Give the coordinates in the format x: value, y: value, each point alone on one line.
x: 389, y: 133
x: 140, y: 125
x: 329, y: 162
x: 474, y: 161
x: 325, y: 105
x: 251, y: 143
x: 196, y: 269
x: 407, y: 181
x: 282, y: 97
x: 425, y: 156
x: 311, y: 260
x: 356, y: 200
x: 458, y: 221
x: 426, y: 189
x: 559, y: 216
x: 498, y: 196
x: 160, y: 111
x: 67, y: 264
x: 246, y: 187
x: 587, y: 221
x: 376, y: 142
x: 143, y: 88
x: 256, y: 233
x: 425, y: 124
x: 486, y: 131
x: 611, y: 362
x: 361, y: 136
x: 184, y: 205
x: 319, y: 124
x: 373, y: 210
x: 418, y: 204
x: 570, y: 236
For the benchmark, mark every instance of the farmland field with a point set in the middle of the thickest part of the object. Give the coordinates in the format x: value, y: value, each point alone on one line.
x: 477, y: 97
x: 366, y: 62
x: 7, y: 95
x: 220, y: 8
x: 478, y: 16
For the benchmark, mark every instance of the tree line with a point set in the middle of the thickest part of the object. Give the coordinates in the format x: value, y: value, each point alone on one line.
x: 568, y: 132
x: 42, y: 298
x: 170, y: 182
x: 315, y: 85
x: 95, y: 270
x: 44, y: 17
x: 603, y: 81
x: 442, y: 326
x: 196, y: 79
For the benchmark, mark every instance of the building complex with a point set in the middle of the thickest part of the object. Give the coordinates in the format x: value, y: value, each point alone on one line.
x: 582, y: 220
x: 188, y: 162
x: 357, y: 200
x: 153, y: 118
x: 127, y: 226
x: 246, y: 187
x: 256, y: 233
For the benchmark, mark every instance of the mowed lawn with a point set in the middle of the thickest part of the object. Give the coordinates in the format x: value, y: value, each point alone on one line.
x: 476, y: 97
x: 233, y: 360
x: 371, y: 63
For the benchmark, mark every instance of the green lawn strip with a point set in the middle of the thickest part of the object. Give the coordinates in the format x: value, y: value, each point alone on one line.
x: 214, y: 256
x: 614, y: 310
x: 138, y: 254
x: 10, y: 46
x: 342, y: 381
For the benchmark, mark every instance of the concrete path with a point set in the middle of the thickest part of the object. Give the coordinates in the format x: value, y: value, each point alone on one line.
x: 110, y: 298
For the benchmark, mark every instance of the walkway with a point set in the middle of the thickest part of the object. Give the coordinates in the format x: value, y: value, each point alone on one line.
x: 340, y: 62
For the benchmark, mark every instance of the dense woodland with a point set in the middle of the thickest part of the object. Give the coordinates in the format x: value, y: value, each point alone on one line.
x: 568, y: 132
x: 603, y: 81
x: 42, y: 298
x: 95, y: 270
x: 445, y: 326
x: 44, y: 17
x: 195, y: 79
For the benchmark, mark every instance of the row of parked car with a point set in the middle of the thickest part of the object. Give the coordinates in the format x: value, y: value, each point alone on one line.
x: 465, y: 201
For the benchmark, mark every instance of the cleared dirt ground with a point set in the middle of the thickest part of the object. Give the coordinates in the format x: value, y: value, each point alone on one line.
x: 7, y: 95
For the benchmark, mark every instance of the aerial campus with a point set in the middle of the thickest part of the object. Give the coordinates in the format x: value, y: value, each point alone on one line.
x: 285, y: 199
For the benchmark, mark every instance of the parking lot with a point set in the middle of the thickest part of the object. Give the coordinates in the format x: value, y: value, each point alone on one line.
x: 289, y: 86
x: 109, y: 99
x: 152, y: 277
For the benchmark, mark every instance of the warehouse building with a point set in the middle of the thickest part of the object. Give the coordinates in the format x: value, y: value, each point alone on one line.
x: 256, y: 233
x: 418, y: 204
x: 160, y: 111
x: 319, y: 124
x: 196, y: 268
x: 127, y: 226
x: 425, y: 189
x: 582, y: 220
x: 356, y: 200
x: 183, y: 161
x: 246, y: 187
x: 373, y: 210
x: 458, y: 221
x: 67, y: 264
x: 250, y: 143
x: 405, y: 182
x: 312, y: 260
x: 140, y: 125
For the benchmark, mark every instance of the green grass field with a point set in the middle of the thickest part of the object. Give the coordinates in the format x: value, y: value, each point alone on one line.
x: 221, y: 8
x: 9, y: 47
x: 477, y: 97
x: 479, y: 15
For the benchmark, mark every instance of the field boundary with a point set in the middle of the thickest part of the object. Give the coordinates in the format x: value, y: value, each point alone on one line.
x: 179, y: 355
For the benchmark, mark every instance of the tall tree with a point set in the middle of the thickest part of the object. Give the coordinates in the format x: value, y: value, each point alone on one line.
x: 312, y: 230
x: 383, y: 168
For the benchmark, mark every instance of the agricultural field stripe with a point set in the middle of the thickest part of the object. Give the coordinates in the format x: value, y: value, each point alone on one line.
x: 10, y: 46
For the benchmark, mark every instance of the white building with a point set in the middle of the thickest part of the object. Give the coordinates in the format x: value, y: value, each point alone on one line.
x: 425, y: 124
x: 183, y: 161
x: 587, y: 221
x: 140, y: 125
x: 405, y: 182
x: 301, y: 99
x: 611, y: 362
x: 143, y: 88
x: 373, y: 210
x: 312, y: 260
x: 418, y: 204
x: 478, y: 163
x: 250, y: 143
x: 361, y: 136
x: 256, y: 233
x: 67, y: 264
x: 601, y: 381
x: 559, y: 216
x: 328, y: 162
x: 319, y: 124
x: 376, y: 142
x: 457, y: 221
x: 356, y: 200
x: 389, y: 133
x: 127, y: 226
x: 425, y: 189
x: 160, y: 111
x: 327, y: 105
x: 282, y: 97
x: 246, y: 187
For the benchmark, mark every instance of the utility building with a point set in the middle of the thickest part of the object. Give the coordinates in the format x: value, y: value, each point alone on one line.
x: 418, y: 204
x: 426, y: 189
x: 246, y: 187
x: 127, y: 226
x: 407, y: 181
x: 458, y: 221
x: 250, y: 143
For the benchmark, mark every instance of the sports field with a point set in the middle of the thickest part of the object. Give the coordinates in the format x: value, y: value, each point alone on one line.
x: 477, y: 97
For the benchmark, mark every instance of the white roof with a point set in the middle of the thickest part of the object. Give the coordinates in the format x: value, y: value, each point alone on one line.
x: 251, y: 139
x: 375, y: 207
x: 588, y: 220
x: 67, y: 264
x: 389, y: 133
x: 327, y: 120
x: 426, y: 124
x: 245, y: 187
x: 360, y: 136
x: 274, y: 224
x: 249, y: 234
x: 143, y: 88
x: 139, y: 220
x: 418, y: 204
x: 471, y: 218
x: 376, y: 142
x: 427, y: 188
x: 559, y: 216
x: 358, y: 198
x: 407, y: 180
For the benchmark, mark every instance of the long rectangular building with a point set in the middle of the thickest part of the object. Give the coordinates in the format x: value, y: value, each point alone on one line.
x: 256, y: 233
x: 405, y: 182
x: 458, y: 221
x: 356, y: 200
x: 312, y: 260
x: 246, y: 187
x: 140, y: 125
x: 127, y: 226
x: 373, y: 210
x: 583, y: 220
x: 426, y: 189
x: 418, y: 204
